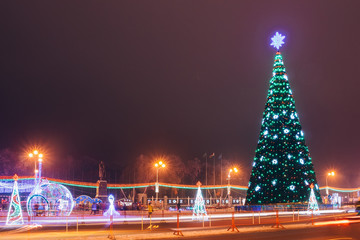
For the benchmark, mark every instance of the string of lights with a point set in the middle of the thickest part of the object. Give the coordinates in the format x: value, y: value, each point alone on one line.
x: 144, y: 185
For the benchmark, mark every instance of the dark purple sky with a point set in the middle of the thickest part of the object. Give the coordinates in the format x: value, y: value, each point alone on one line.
x: 114, y: 79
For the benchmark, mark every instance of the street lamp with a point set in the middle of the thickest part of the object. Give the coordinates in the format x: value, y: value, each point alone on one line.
x: 39, y: 156
x: 40, y: 167
x: 229, y: 176
x: 327, y: 187
x: 158, y: 165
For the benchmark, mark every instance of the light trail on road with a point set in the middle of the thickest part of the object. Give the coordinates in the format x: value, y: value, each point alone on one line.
x: 183, y: 218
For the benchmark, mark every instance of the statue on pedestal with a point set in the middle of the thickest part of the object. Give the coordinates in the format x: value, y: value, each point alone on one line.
x: 102, y: 173
x: 101, y: 190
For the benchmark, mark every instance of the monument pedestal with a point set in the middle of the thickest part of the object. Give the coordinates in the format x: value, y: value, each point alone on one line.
x: 101, y: 190
x: 142, y: 197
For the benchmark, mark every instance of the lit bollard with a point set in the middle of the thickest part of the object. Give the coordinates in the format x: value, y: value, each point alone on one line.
x: 125, y: 219
x: 163, y: 217
x: 312, y: 218
x: 293, y: 215
x: 259, y: 217
x: 111, y: 235
x: 178, y: 231
x: 233, y: 227
x: 111, y: 224
x: 150, y: 223
x: 277, y: 221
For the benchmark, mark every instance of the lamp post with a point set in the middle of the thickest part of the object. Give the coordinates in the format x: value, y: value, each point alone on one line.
x: 229, y: 177
x: 327, y: 187
x: 40, y: 164
x: 158, y: 165
x: 37, y: 172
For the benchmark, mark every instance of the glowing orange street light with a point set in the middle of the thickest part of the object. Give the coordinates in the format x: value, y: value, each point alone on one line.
x: 158, y: 165
x: 234, y: 169
x: 332, y: 173
x: 39, y: 159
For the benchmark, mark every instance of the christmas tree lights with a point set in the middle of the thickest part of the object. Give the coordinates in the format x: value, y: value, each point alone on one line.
x: 282, y: 168
x: 199, y: 206
x: 313, y: 205
x: 14, y: 216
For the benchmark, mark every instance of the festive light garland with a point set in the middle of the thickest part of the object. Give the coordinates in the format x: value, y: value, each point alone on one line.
x: 345, y: 190
x: 9, y: 185
x: 144, y: 185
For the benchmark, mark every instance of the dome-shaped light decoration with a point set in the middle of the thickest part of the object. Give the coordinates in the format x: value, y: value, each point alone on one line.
x: 51, y: 199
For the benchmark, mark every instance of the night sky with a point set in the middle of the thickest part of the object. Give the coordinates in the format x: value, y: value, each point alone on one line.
x: 116, y: 79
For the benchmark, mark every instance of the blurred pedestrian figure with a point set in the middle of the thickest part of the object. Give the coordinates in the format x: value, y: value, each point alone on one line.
x: 93, y: 209
x: 178, y: 206
x: 97, y: 208
x: 36, y: 207
x: 150, y: 209
x: 357, y: 207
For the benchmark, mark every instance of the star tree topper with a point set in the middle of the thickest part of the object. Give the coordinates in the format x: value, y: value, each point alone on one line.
x: 277, y: 40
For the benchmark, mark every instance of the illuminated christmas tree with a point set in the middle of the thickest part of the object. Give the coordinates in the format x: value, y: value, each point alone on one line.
x: 14, y: 216
x: 199, y: 206
x: 282, y: 168
x: 313, y: 205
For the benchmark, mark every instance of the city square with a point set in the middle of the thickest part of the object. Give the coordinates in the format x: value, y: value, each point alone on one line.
x: 146, y: 120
